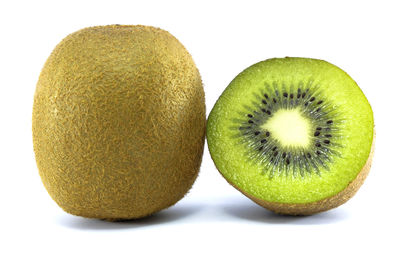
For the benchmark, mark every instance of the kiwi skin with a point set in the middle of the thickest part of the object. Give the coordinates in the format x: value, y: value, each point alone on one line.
x: 118, y: 122
x: 296, y: 209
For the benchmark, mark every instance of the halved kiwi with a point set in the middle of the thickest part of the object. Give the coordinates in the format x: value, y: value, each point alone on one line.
x: 293, y: 134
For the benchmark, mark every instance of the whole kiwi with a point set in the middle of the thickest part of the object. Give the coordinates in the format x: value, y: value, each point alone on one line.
x: 118, y: 122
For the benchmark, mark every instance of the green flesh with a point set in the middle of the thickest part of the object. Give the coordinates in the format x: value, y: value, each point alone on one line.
x: 275, y: 105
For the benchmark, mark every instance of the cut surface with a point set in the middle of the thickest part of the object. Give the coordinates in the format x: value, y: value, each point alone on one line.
x: 291, y: 130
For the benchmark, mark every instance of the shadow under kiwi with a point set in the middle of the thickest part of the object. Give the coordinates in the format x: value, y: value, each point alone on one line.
x: 169, y: 215
x: 246, y: 209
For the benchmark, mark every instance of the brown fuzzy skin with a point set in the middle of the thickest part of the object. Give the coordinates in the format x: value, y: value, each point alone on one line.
x: 321, y: 205
x: 118, y: 122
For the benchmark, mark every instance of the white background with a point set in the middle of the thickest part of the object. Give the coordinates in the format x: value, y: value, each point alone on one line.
x: 214, y: 221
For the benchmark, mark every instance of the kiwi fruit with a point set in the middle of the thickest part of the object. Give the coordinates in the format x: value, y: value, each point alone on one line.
x: 295, y: 135
x: 118, y: 122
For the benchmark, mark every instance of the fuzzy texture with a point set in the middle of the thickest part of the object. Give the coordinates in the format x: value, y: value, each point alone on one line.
x: 321, y: 205
x: 118, y: 122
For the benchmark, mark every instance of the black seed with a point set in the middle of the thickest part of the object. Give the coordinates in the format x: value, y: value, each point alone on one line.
x: 273, y: 149
x: 327, y: 129
x: 318, y: 152
x: 318, y: 145
x: 303, y: 95
x: 257, y: 133
x: 298, y: 95
x: 285, y: 94
x: 319, y: 109
x: 319, y: 128
x: 308, y: 155
x: 264, y: 102
x: 266, y: 96
x: 329, y: 122
x: 276, y: 153
x: 250, y: 115
x: 267, y: 134
x: 312, y: 99
x: 274, y: 100
x: 317, y: 133
x: 259, y: 149
x: 248, y: 127
x: 328, y: 135
x: 268, y: 112
x: 250, y: 121
x: 319, y: 102
x: 287, y: 161
x: 263, y: 141
x: 291, y: 96
x: 306, y: 104
x: 284, y: 155
x: 265, y: 111
x: 327, y: 142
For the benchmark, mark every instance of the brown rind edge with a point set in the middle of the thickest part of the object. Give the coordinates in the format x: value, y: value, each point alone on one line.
x: 321, y: 205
